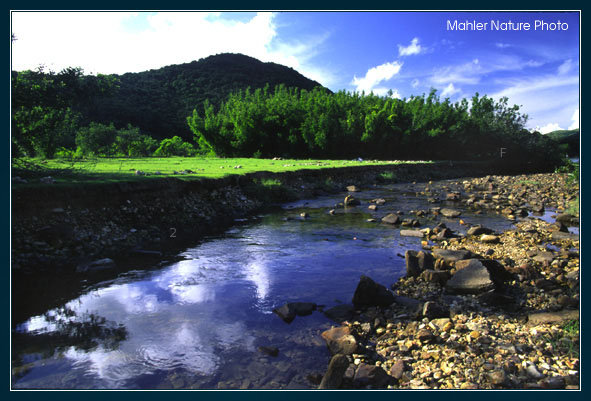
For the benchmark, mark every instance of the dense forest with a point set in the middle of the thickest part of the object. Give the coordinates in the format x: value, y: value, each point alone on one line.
x: 299, y: 123
x: 233, y: 105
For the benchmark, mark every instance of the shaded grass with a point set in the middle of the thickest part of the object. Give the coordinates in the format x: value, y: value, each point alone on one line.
x: 105, y: 170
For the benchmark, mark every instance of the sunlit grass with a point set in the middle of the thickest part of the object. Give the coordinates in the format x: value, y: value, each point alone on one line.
x: 134, y: 169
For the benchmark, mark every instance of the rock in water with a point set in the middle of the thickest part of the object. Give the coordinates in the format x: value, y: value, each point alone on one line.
x: 271, y: 351
x: 450, y: 212
x: 334, y: 374
x: 412, y: 233
x: 352, y: 188
x: 369, y: 293
x: 391, y: 219
x: 289, y: 311
x: 351, y: 201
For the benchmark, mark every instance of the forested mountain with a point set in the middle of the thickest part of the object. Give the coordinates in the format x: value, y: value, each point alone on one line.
x: 568, y: 139
x: 159, y: 101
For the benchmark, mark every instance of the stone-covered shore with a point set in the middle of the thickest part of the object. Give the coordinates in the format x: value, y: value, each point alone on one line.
x: 483, y: 310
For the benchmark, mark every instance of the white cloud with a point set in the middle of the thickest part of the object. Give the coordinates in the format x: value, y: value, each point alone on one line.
x: 395, y: 94
x: 565, y: 67
x: 521, y: 86
x: 450, y: 90
x: 549, y: 128
x: 546, y: 99
x: 376, y: 75
x: 575, y: 120
x: 414, y: 83
x: 502, y: 45
x: 413, y: 48
x: 467, y: 73
x: 117, y: 42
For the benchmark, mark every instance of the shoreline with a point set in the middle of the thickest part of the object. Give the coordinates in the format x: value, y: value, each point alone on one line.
x: 481, y: 311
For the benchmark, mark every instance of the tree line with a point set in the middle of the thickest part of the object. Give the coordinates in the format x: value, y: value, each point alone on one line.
x: 291, y: 122
x: 53, y: 115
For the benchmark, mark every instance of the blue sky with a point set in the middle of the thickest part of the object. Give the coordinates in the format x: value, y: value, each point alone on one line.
x: 407, y: 53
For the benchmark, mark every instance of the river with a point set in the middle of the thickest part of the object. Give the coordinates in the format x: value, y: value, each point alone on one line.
x: 198, y: 323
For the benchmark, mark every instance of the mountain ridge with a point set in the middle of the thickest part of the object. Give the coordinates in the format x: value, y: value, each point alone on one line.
x: 158, y: 101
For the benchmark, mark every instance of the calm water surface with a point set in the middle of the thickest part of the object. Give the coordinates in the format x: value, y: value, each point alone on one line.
x: 198, y: 322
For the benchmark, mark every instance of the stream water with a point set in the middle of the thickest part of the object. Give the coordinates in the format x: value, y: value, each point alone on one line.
x: 198, y: 322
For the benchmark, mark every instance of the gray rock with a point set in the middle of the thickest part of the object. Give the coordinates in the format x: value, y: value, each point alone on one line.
x: 334, y: 373
x: 479, y: 230
x: 471, y: 278
x: 552, y: 317
x: 391, y: 219
x: 370, y: 293
x: 451, y: 213
x: 412, y: 233
x: 559, y: 235
x: 542, y: 257
x: 451, y: 256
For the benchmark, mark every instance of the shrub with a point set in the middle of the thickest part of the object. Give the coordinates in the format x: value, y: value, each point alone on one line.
x: 174, y: 147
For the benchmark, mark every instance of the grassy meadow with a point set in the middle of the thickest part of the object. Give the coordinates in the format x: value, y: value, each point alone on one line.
x: 103, y: 170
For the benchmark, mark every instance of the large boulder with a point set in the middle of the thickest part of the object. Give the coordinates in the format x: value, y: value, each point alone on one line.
x: 340, y: 340
x: 472, y: 277
x: 370, y: 293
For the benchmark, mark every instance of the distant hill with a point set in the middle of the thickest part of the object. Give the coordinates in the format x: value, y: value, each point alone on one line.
x: 569, y: 139
x: 159, y: 101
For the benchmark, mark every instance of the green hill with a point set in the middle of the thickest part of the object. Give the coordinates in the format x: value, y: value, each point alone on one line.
x: 159, y: 101
x: 568, y: 140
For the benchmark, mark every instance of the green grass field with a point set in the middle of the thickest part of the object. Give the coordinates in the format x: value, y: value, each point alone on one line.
x: 102, y: 170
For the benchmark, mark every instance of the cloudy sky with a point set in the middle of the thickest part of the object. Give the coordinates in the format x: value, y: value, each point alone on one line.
x: 408, y: 53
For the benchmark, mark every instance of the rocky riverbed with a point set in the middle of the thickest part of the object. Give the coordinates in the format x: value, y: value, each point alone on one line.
x: 484, y: 310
